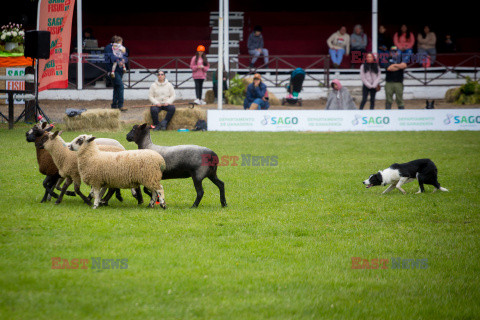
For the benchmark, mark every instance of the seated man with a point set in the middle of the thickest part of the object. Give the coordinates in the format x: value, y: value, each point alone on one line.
x: 255, y: 47
x: 161, y: 95
x: 257, y: 96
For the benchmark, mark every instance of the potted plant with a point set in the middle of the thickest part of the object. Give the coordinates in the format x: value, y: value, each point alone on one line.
x: 12, y: 35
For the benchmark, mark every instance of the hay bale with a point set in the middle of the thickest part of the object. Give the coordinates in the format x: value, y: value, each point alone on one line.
x: 94, y: 120
x: 210, y: 97
x: 183, y: 118
x: 452, y: 95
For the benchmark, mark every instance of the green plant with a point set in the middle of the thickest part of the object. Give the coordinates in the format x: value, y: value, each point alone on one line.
x: 468, y: 93
x: 236, y: 93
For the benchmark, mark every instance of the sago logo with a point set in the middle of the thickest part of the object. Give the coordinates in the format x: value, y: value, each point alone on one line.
x: 453, y: 119
x: 279, y: 120
x: 361, y: 120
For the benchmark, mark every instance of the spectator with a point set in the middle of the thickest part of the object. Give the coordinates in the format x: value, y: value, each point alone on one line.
x: 339, y: 45
x: 119, y: 53
x: 384, y: 44
x: 256, y: 47
x: 257, y: 95
x: 339, y: 98
x: 215, y: 83
x: 448, y: 45
x: 370, y: 75
x: 118, y: 90
x: 87, y: 35
x: 394, y: 79
x: 426, y: 42
x: 358, y: 44
x: 162, y: 96
x: 199, y: 65
x: 404, y: 40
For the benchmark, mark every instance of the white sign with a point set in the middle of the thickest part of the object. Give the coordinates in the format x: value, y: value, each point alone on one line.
x: 15, y: 85
x: 344, y: 120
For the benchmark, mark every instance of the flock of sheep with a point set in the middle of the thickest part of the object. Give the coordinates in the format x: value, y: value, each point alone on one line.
x: 105, y: 164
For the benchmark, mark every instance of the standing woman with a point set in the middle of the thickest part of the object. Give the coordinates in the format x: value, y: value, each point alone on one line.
x: 404, y: 41
x: 199, y: 65
x: 370, y: 75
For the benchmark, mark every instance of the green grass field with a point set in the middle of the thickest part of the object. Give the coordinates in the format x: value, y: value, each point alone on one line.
x: 282, y: 249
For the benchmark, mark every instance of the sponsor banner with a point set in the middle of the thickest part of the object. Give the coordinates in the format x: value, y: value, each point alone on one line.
x: 344, y: 120
x: 14, y: 84
x: 56, y: 17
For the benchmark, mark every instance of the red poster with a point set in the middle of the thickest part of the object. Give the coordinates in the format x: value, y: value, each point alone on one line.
x: 56, y: 17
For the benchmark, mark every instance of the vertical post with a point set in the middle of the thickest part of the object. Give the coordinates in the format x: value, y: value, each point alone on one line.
x: 374, y: 26
x: 79, y: 46
x: 226, y: 36
x: 220, y: 58
x: 10, y: 110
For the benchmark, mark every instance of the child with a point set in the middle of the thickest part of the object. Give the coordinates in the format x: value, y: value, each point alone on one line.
x: 119, y: 52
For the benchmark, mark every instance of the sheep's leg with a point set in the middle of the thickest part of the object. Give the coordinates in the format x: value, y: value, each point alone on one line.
x: 137, y: 194
x: 49, y: 183
x: 104, y: 201
x: 147, y: 192
x: 161, y: 197
x: 221, y: 186
x: 118, y: 194
x: 199, y: 189
x: 68, y: 193
x: 96, y: 194
x: 76, y: 186
x: 153, y: 199
x: 67, y: 182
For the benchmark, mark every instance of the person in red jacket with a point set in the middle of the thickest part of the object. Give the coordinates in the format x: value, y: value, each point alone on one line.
x: 404, y: 40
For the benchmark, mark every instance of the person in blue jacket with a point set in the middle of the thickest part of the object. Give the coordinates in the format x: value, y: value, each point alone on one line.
x: 257, y: 96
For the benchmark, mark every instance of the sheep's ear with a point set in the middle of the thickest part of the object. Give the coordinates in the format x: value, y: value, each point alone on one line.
x: 91, y: 139
x: 54, y: 135
x: 60, y: 132
x: 49, y: 128
x: 143, y: 126
x: 44, y: 124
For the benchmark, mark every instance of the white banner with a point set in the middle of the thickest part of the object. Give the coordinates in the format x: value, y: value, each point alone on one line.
x: 15, y: 84
x: 344, y: 120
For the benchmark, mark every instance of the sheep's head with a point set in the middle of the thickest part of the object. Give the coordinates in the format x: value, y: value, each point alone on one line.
x: 137, y: 133
x: 79, y: 141
x: 37, y: 131
x: 46, y: 138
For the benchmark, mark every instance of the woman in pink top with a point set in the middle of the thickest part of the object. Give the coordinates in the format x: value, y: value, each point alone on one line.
x: 404, y: 40
x: 199, y: 65
x: 370, y: 75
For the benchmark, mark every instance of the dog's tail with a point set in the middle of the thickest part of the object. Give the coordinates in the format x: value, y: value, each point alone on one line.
x: 443, y: 189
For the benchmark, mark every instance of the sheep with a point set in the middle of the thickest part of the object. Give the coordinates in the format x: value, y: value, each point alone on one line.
x: 66, y: 161
x: 46, y: 166
x: 124, y: 169
x: 182, y: 161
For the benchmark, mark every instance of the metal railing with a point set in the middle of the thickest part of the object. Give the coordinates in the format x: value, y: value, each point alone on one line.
x: 317, y: 68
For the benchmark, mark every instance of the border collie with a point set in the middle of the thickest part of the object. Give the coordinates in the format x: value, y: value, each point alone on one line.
x: 424, y: 170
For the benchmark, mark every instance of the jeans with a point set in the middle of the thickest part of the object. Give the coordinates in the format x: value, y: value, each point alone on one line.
x: 198, y: 88
x: 423, y: 53
x: 392, y: 88
x: 262, y: 105
x: 118, y: 89
x: 406, y: 55
x: 256, y: 54
x: 154, y: 111
x: 336, y: 55
x: 365, y: 92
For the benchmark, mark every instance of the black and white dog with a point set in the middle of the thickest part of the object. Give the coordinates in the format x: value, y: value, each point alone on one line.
x: 424, y: 170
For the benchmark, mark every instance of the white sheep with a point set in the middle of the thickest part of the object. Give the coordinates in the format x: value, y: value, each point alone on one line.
x: 66, y: 161
x: 123, y: 170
